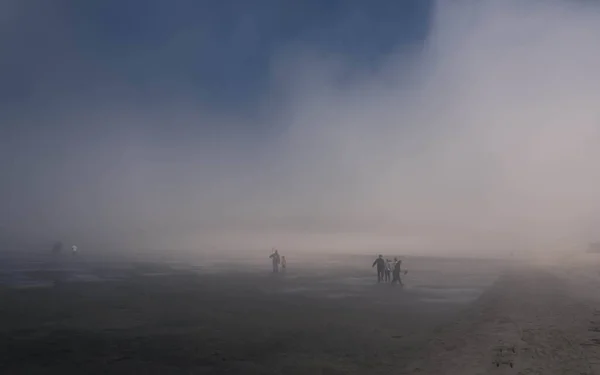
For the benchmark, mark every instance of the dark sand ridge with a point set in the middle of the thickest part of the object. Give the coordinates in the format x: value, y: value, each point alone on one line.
x: 536, y: 319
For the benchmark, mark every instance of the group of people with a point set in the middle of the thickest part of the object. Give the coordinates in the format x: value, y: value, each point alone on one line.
x: 278, y: 260
x: 387, y: 268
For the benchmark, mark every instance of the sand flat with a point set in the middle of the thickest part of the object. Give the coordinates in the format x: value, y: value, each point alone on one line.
x: 458, y: 317
x: 314, y: 319
x: 453, y: 317
x: 532, y: 321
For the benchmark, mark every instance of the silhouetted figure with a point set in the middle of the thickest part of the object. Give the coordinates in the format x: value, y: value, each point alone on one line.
x: 57, y: 247
x: 74, y: 250
x: 283, y: 263
x: 388, y: 270
x: 397, y: 264
x: 380, y: 263
x: 276, y: 261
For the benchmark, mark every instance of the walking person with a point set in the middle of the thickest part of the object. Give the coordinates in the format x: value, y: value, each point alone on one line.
x: 380, y: 263
x: 283, y: 263
x: 276, y: 260
x: 396, y: 272
x: 388, y: 270
x: 57, y: 247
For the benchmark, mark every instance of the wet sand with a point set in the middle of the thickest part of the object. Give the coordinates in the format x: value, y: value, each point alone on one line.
x: 321, y: 317
x: 538, y: 318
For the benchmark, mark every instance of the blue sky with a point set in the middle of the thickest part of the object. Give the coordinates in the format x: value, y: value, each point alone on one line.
x: 218, y: 51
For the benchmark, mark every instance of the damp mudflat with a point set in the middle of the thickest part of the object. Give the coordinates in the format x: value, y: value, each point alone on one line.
x: 164, y: 317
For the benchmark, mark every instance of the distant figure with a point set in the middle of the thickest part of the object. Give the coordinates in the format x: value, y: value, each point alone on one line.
x: 283, y: 263
x: 74, y: 249
x: 57, y: 247
x: 276, y: 261
x: 397, y: 264
x: 380, y: 267
x: 388, y: 270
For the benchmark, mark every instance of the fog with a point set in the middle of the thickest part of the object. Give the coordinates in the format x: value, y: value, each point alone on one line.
x: 482, y: 139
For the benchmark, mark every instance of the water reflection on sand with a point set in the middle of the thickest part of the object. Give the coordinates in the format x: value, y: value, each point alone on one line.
x: 430, y: 280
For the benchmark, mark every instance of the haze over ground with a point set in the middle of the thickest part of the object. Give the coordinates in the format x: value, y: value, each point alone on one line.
x: 432, y: 127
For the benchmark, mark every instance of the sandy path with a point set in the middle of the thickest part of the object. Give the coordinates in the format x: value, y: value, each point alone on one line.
x: 530, y: 322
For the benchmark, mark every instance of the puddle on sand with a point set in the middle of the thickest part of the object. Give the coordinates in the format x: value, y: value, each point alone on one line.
x: 33, y: 285
x: 153, y: 274
x: 86, y: 278
x: 440, y: 300
x: 340, y: 295
x: 354, y: 281
x: 298, y: 289
x: 449, y: 295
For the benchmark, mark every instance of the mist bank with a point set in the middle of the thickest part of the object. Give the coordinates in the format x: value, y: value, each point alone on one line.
x: 481, y: 139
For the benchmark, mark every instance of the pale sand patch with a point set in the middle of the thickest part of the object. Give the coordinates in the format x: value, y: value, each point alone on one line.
x: 532, y: 321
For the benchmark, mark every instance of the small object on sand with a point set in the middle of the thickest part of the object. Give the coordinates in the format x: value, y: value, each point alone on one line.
x: 500, y: 362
